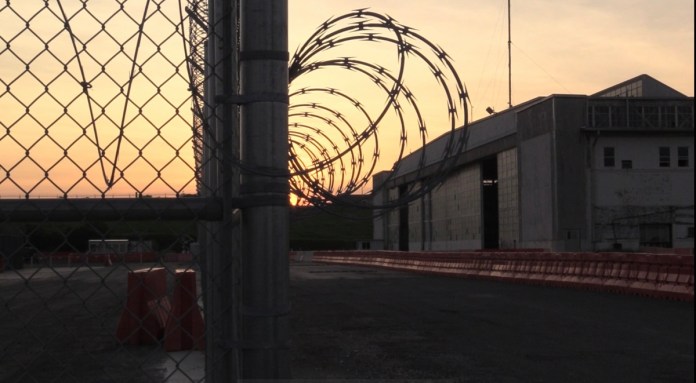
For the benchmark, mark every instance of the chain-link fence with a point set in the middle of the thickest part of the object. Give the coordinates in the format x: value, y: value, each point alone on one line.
x: 119, y: 188
x: 141, y: 137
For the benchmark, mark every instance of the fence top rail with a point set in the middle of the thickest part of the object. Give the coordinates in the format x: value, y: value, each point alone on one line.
x: 110, y: 209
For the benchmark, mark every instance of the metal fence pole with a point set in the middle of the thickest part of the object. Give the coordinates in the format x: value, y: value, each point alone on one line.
x: 264, y: 116
x: 221, y: 157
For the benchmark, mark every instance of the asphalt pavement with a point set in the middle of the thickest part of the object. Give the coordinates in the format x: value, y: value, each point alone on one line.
x: 359, y: 324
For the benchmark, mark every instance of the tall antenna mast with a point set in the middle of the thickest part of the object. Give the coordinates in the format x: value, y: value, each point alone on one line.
x: 509, y: 60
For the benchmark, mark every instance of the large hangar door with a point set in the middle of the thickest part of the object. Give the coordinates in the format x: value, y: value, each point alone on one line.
x: 403, y: 221
x: 489, y: 202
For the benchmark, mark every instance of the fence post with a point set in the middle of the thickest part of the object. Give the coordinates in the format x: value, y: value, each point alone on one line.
x: 264, y: 119
x: 220, y: 173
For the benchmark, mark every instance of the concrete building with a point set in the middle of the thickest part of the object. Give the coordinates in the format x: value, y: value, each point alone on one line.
x: 612, y: 170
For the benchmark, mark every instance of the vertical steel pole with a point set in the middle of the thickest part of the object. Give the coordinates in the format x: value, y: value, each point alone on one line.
x: 222, y: 176
x: 264, y: 116
x: 509, y: 45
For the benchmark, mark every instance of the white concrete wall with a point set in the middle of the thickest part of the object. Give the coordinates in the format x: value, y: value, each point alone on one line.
x: 626, y: 198
x: 642, y: 150
x: 646, y: 184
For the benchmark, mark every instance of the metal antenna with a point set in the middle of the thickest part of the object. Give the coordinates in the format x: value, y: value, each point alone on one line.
x: 509, y: 60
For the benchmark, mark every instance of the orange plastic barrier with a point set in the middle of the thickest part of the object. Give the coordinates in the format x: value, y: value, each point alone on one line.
x: 144, y: 315
x: 657, y: 275
x: 185, y: 329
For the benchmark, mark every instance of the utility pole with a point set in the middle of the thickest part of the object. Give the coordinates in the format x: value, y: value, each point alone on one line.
x: 263, y: 60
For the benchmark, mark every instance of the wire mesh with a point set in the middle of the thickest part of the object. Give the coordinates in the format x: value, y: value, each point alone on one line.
x: 95, y: 100
x: 118, y: 174
x: 100, y: 111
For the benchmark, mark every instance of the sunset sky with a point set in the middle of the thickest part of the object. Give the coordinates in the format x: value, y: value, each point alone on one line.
x: 48, y: 145
x: 570, y: 46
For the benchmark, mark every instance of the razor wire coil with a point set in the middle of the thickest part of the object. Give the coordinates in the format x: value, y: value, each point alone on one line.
x: 329, y: 155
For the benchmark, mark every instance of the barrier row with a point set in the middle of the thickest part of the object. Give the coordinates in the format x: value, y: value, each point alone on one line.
x: 657, y: 275
x: 151, y: 317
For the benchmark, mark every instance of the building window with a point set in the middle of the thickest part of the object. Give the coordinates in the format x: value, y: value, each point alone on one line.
x: 683, y: 156
x: 664, y: 157
x: 634, y: 89
x: 626, y: 164
x: 609, y: 158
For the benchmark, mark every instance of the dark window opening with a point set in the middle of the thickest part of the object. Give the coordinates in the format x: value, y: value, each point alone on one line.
x: 665, y: 157
x: 609, y: 159
x: 683, y: 156
x: 626, y: 164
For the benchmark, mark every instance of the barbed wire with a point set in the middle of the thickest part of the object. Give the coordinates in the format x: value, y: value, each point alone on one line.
x: 108, y: 179
x: 335, y: 139
x: 194, y: 49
